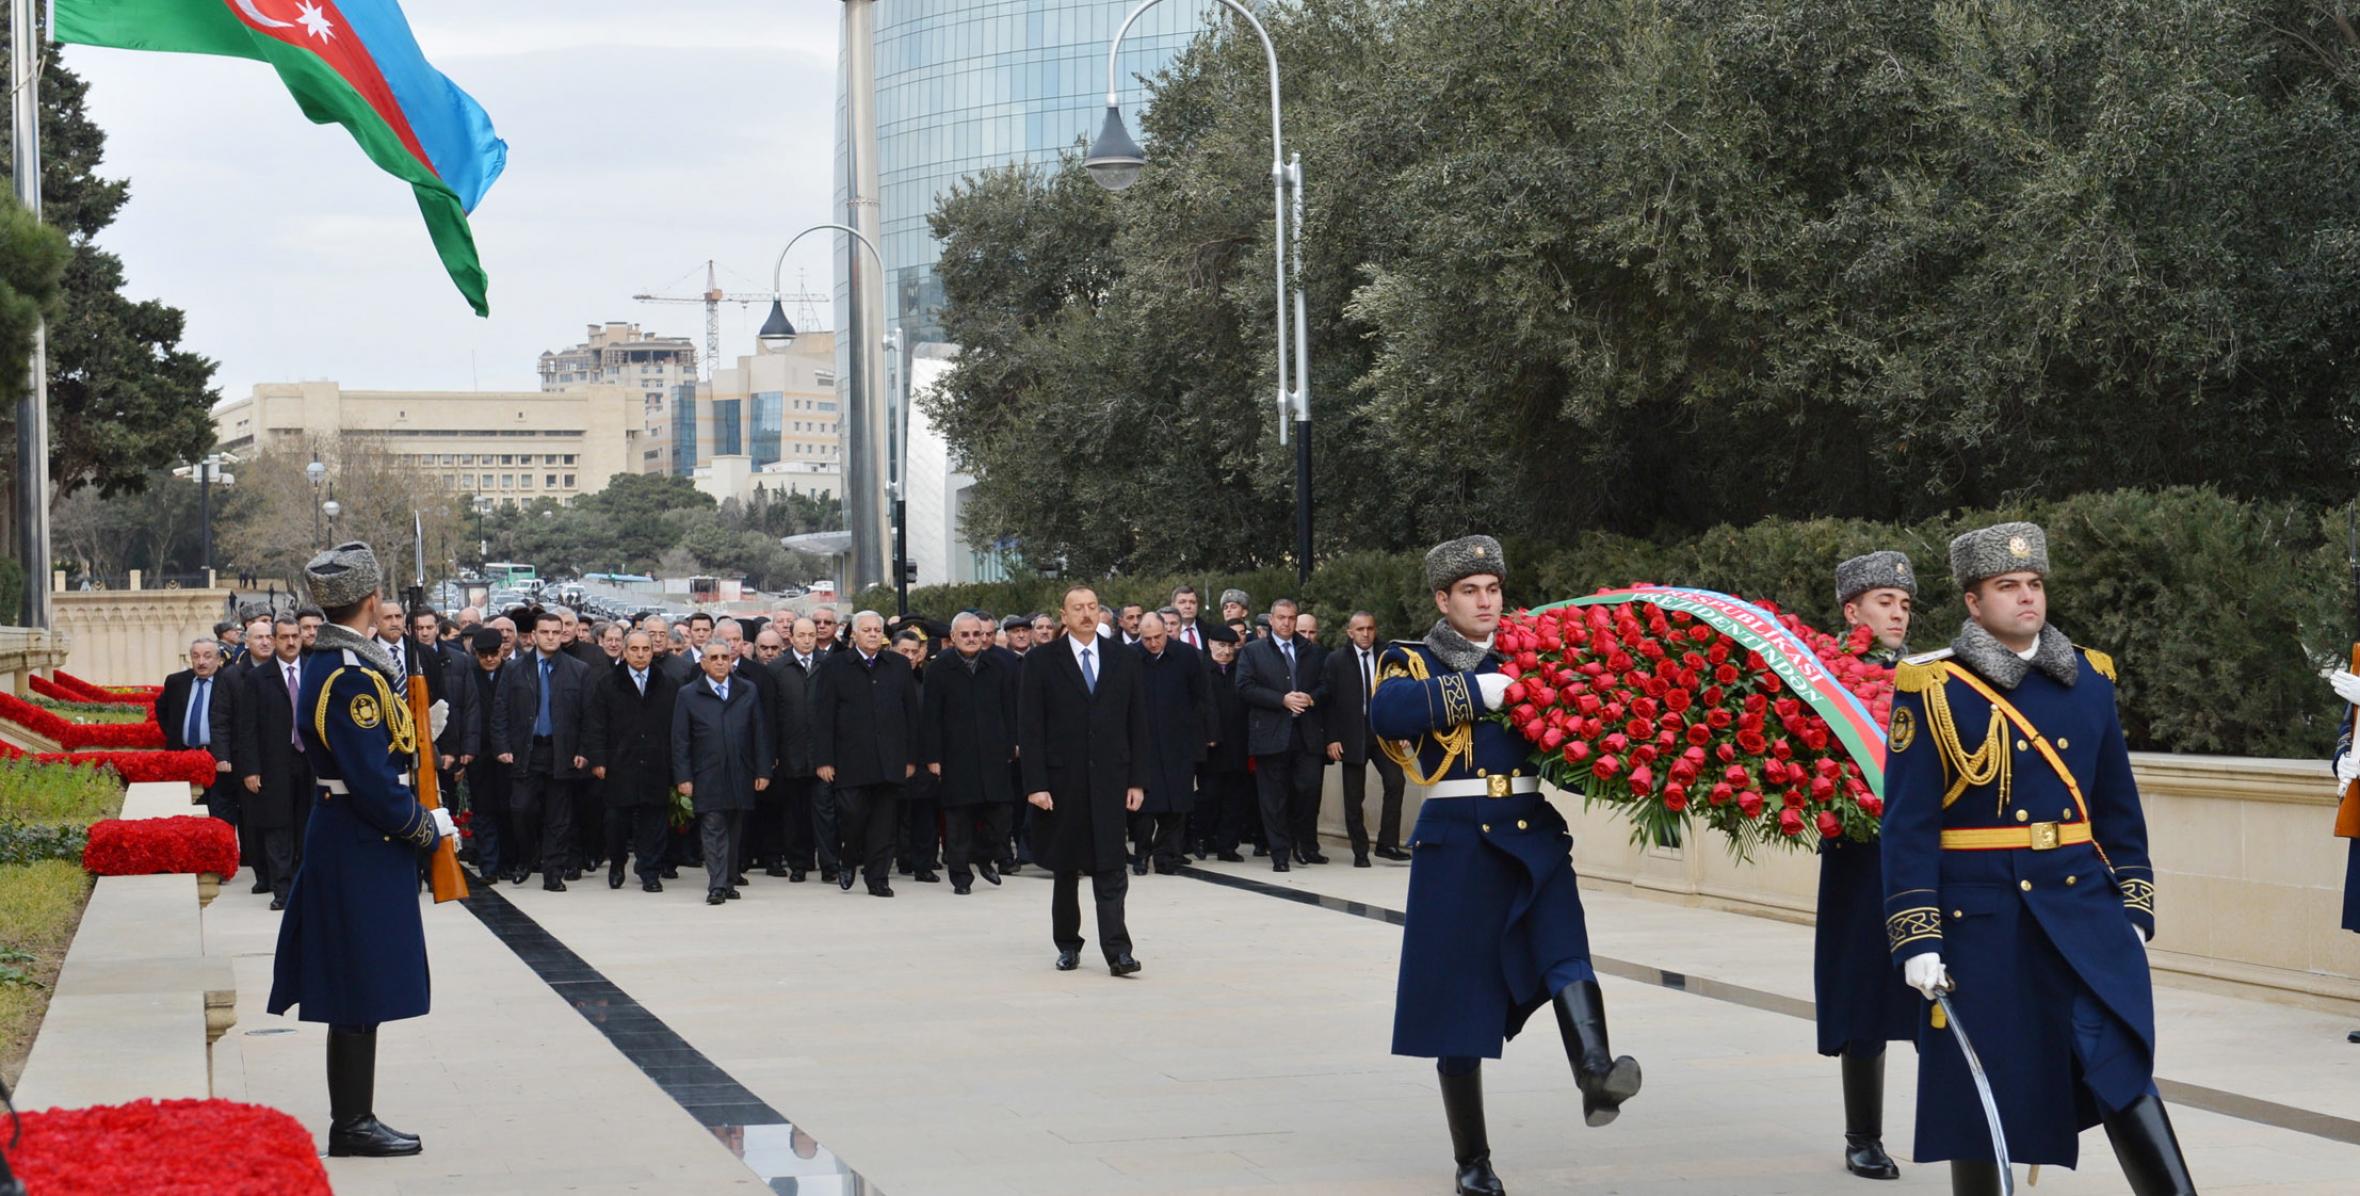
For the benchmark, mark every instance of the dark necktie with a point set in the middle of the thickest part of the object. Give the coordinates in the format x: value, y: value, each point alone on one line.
x: 294, y: 708
x: 541, y: 728
x: 1089, y: 674
x: 198, y: 722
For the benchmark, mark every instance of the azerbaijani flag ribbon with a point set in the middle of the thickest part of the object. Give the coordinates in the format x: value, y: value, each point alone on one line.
x: 1758, y: 631
x: 348, y: 62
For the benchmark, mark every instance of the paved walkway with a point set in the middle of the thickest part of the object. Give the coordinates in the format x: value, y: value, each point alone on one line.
x: 926, y: 1042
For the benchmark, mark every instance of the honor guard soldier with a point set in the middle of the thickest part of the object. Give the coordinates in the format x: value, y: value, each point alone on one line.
x: 1861, y: 1005
x: 352, y: 950
x: 1494, y: 929
x: 2015, y: 857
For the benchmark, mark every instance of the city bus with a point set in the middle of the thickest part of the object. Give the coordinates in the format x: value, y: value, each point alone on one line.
x: 509, y: 575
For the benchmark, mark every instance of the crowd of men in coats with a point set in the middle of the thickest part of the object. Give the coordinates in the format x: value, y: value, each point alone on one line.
x: 789, y: 743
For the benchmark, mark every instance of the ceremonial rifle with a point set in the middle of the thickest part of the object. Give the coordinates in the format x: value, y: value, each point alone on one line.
x: 2347, y: 811
x: 1999, y: 1136
x: 448, y: 881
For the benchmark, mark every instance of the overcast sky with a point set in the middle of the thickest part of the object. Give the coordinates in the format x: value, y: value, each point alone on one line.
x: 642, y: 140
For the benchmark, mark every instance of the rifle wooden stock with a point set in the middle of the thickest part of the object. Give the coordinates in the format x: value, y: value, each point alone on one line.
x: 2347, y: 812
x: 449, y: 882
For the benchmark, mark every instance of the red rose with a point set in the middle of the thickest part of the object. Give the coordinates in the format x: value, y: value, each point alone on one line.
x: 1720, y: 795
x: 1792, y: 798
x: 1618, y: 742
x: 1675, y: 798
x: 1830, y: 826
x: 1699, y: 734
x: 1515, y: 694
x: 1544, y: 696
x: 1605, y: 767
x: 1725, y: 753
x: 1642, y: 779
x: 1588, y: 704
x: 1727, y: 674
x: 1823, y: 791
x: 1719, y: 718
x: 1749, y: 803
x: 1736, y: 775
x: 1790, y: 823
x: 1552, y: 739
x: 1783, y: 750
x: 1872, y: 805
x: 1576, y: 752
x: 1752, y: 742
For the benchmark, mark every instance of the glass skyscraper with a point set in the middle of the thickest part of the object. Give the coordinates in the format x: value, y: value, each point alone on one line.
x: 965, y: 85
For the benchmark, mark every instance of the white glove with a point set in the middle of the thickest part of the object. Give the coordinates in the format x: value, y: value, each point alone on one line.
x: 448, y: 829
x: 1494, y: 689
x: 438, y: 716
x: 1925, y: 973
x: 2347, y: 767
x: 2346, y: 685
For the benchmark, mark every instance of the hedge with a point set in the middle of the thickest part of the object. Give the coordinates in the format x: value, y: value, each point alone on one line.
x: 2220, y: 613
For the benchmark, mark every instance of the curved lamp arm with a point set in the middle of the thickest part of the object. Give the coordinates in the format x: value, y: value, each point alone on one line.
x: 777, y: 271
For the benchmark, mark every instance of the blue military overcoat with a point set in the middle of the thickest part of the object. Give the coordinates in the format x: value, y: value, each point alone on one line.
x: 352, y: 948
x: 2040, y: 938
x: 1860, y: 1003
x: 1494, y: 924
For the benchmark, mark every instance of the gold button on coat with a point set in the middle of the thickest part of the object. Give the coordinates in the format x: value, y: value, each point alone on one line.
x: 1487, y: 828
x: 2022, y: 746
x: 2025, y: 885
x: 2072, y: 880
x: 1958, y: 913
x: 2063, y: 743
x: 1522, y: 824
x: 2023, y: 816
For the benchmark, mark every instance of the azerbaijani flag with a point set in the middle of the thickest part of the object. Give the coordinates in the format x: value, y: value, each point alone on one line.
x: 350, y: 62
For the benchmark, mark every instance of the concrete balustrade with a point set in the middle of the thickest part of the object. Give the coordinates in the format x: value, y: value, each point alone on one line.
x: 134, y: 636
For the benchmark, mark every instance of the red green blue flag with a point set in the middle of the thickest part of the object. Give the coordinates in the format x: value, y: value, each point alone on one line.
x: 347, y: 62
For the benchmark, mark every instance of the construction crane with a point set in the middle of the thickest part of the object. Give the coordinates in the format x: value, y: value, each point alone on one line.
x: 712, y: 298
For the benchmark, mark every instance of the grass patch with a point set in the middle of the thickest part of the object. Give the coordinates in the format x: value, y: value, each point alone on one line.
x: 91, y: 712
x: 40, y: 906
x: 57, y: 793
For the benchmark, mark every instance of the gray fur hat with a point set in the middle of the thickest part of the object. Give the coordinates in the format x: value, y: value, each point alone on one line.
x: 1882, y: 570
x: 342, y: 575
x: 2000, y: 548
x: 1452, y: 560
x: 1237, y: 596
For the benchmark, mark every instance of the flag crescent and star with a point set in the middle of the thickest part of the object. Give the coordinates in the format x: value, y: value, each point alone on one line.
x: 353, y: 63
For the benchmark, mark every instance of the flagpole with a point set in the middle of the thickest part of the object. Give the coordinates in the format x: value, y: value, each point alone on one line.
x: 32, y: 407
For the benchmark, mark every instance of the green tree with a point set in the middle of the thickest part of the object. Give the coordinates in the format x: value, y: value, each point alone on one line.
x: 124, y: 397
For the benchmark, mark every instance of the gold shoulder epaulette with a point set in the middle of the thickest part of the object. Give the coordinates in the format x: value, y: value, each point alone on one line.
x: 2099, y: 661
x: 1919, y: 673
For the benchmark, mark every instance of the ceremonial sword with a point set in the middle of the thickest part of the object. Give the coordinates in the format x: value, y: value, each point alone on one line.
x: 1999, y: 1136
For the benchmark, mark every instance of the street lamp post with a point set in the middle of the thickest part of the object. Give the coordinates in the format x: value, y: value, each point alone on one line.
x: 1115, y: 161
x: 778, y: 330
x: 331, y: 509
x: 317, y: 473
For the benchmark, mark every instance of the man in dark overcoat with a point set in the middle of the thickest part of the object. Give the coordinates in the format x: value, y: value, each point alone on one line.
x: 269, y: 755
x: 721, y: 753
x: 800, y: 837
x: 863, y: 743
x: 537, y: 733
x: 1351, y: 672
x: 627, y: 736
x: 1225, y: 813
x: 488, y: 780
x: 967, y: 740
x: 185, y: 712
x: 1179, y: 730
x: 1081, y: 734
x: 352, y: 947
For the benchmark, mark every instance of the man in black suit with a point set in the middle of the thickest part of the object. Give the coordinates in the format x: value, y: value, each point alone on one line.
x: 269, y: 753
x: 1279, y: 680
x: 1081, y: 733
x: 1179, y: 730
x: 1351, y: 677
x: 967, y: 737
x: 536, y: 731
x: 227, y: 710
x: 185, y: 712
x: 809, y: 808
x: 489, y: 782
x: 627, y: 736
x: 863, y: 729
x: 754, y: 843
x: 1225, y: 788
x: 1190, y: 627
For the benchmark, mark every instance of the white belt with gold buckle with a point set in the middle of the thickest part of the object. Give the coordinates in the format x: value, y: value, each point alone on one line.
x: 1484, y: 787
x: 338, y: 788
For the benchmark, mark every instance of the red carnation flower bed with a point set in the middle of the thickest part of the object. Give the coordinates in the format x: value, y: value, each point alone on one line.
x: 87, y: 692
x: 72, y: 735
x: 168, y: 1148
x: 153, y: 846
x: 1668, y: 719
x: 193, y: 766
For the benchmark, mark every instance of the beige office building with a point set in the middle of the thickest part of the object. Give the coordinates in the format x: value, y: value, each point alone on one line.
x: 775, y: 407
x: 660, y: 370
x: 506, y: 446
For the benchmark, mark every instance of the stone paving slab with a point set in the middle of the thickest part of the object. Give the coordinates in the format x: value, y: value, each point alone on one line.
x: 927, y: 1041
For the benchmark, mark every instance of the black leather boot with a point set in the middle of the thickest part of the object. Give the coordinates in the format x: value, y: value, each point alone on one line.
x: 1470, y: 1143
x: 1864, y: 1118
x: 353, y: 1128
x: 1973, y: 1177
x: 2148, y: 1150
x: 1605, y: 1079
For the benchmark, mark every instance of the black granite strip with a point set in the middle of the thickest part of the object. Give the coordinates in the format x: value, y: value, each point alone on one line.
x: 759, y: 1135
x: 2196, y: 1096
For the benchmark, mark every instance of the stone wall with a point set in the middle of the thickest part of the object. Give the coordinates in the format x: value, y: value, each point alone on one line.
x: 25, y: 651
x: 134, y: 636
x: 2249, y: 877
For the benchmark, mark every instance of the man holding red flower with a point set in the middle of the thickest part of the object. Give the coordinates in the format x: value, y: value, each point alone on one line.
x: 1860, y: 1004
x: 1494, y: 929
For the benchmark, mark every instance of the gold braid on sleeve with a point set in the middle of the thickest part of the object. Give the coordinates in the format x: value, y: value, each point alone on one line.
x: 1457, y: 741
